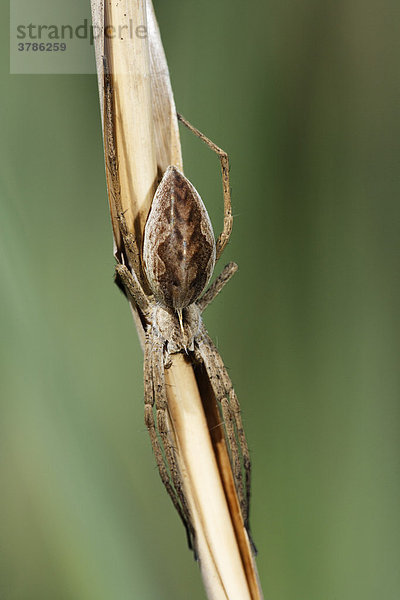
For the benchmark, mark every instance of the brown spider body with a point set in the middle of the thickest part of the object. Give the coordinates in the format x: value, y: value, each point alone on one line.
x: 179, y: 254
x: 179, y: 259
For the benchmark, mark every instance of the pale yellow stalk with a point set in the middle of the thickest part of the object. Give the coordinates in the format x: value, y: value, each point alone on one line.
x: 147, y: 142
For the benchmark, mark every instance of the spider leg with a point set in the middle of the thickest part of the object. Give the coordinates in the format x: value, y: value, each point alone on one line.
x: 134, y: 288
x: 224, y: 236
x: 112, y: 166
x: 149, y: 396
x: 160, y: 398
x: 234, y: 402
x: 219, y: 372
x: 228, y: 271
x: 223, y: 390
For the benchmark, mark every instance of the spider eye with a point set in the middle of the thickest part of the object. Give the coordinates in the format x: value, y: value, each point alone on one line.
x: 179, y: 244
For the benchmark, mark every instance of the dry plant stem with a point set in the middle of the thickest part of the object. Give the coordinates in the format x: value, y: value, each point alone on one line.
x: 166, y: 132
x: 205, y: 491
x: 113, y: 175
x: 129, y: 58
x: 224, y: 467
x: 147, y: 142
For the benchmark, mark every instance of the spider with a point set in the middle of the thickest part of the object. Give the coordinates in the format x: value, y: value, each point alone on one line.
x: 179, y: 254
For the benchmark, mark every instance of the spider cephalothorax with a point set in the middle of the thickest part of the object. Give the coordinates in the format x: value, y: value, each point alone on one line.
x: 179, y: 333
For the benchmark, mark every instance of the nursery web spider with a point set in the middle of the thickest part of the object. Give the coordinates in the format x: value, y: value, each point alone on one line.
x: 179, y: 254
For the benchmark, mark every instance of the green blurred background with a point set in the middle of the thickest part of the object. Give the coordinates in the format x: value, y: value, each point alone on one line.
x: 305, y: 97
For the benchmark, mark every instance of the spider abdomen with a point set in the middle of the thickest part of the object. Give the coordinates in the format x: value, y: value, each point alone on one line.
x: 179, y: 244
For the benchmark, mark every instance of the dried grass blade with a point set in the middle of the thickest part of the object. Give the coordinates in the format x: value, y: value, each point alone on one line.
x: 148, y: 141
